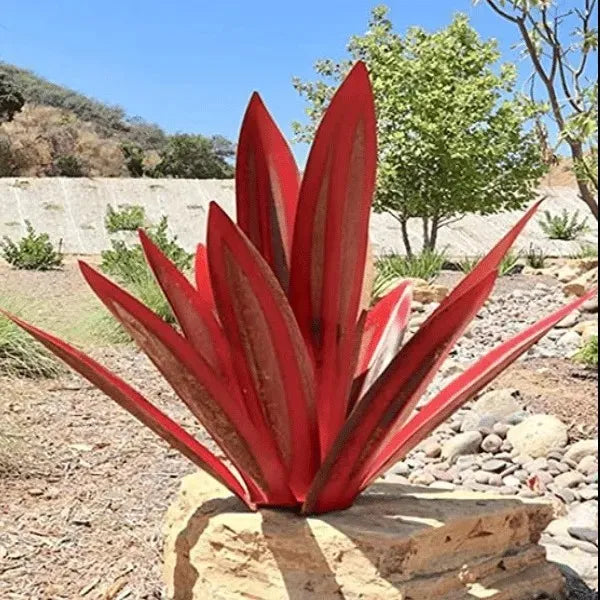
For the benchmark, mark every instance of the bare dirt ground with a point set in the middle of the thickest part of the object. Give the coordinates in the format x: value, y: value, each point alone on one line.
x: 84, y: 487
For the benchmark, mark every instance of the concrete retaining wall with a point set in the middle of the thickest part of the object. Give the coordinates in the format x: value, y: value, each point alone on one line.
x: 73, y: 210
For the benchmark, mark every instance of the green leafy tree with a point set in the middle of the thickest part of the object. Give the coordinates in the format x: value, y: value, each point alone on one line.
x: 134, y: 159
x: 187, y: 156
x: 562, y: 45
x: 450, y: 136
x: 11, y: 99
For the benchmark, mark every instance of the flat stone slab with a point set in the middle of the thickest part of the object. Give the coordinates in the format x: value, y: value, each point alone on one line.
x: 397, y: 542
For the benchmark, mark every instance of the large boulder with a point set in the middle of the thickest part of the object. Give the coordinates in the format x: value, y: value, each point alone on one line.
x: 537, y: 435
x: 395, y: 542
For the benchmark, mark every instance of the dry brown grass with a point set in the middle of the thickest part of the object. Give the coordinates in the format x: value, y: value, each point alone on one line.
x: 39, y: 135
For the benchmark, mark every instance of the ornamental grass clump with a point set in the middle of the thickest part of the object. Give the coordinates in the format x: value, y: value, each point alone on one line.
x: 310, y: 396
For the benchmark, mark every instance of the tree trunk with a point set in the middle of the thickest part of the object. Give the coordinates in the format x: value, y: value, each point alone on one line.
x: 584, y: 187
x: 405, y: 238
x: 430, y: 232
x: 435, y: 227
x: 426, y: 236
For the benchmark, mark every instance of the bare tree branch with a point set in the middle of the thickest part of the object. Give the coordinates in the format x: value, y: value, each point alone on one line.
x: 502, y: 13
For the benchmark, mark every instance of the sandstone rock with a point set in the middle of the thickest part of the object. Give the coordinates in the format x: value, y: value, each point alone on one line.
x: 538, y: 434
x: 422, y: 478
x: 463, y: 443
x: 582, y: 448
x: 580, y: 285
x: 583, y: 325
x: 574, y: 268
x: 430, y: 292
x: 567, y: 273
x: 390, y: 545
x: 498, y: 403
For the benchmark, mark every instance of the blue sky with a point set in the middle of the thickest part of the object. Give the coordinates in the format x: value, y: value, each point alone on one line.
x: 191, y: 65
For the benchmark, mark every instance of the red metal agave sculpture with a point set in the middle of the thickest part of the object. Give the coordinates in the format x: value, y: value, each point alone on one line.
x: 309, y: 397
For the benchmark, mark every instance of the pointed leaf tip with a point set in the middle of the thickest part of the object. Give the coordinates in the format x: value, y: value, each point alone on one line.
x: 266, y: 184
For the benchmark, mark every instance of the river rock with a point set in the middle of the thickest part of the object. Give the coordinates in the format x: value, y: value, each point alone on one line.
x: 582, y: 448
x: 538, y: 434
x: 498, y: 403
x: 463, y: 443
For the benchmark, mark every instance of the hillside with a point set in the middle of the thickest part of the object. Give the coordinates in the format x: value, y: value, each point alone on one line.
x: 61, y: 132
x: 107, y: 121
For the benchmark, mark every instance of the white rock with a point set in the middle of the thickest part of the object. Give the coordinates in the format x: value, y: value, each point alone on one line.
x: 582, y: 448
x: 463, y: 443
x: 571, y: 339
x: 569, y: 321
x: 498, y: 403
x: 537, y: 435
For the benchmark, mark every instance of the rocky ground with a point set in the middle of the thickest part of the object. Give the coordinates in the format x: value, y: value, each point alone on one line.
x: 84, y: 487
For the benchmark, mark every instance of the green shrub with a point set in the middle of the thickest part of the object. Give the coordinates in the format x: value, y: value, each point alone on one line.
x: 20, y: 354
x: 468, y: 263
x: 127, y: 218
x: 586, y: 251
x: 588, y: 353
x: 563, y: 226
x: 69, y: 166
x: 509, y: 264
x: 381, y: 284
x: 33, y: 252
x: 535, y: 257
x: 127, y: 265
x: 425, y: 265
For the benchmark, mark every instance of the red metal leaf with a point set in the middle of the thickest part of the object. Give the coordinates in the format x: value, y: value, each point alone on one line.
x: 217, y: 404
x: 490, y: 262
x: 202, y: 277
x: 464, y: 387
x: 194, y: 313
x: 128, y: 398
x: 330, y: 239
x: 384, y: 329
x: 389, y: 402
x: 269, y: 353
x: 266, y: 185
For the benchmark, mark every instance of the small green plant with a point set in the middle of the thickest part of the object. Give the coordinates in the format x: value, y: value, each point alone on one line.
x: 588, y: 353
x: 563, y: 226
x: 126, y: 263
x: 468, y: 263
x: 20, y: 355
x: 509, y: 264
x: 381, y: 284
x: 32, y: 252
x: 426, y: 265
x: 586, y: 251
x: 69, y: 166
x: 535, y: 257
x: 127, y: 218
